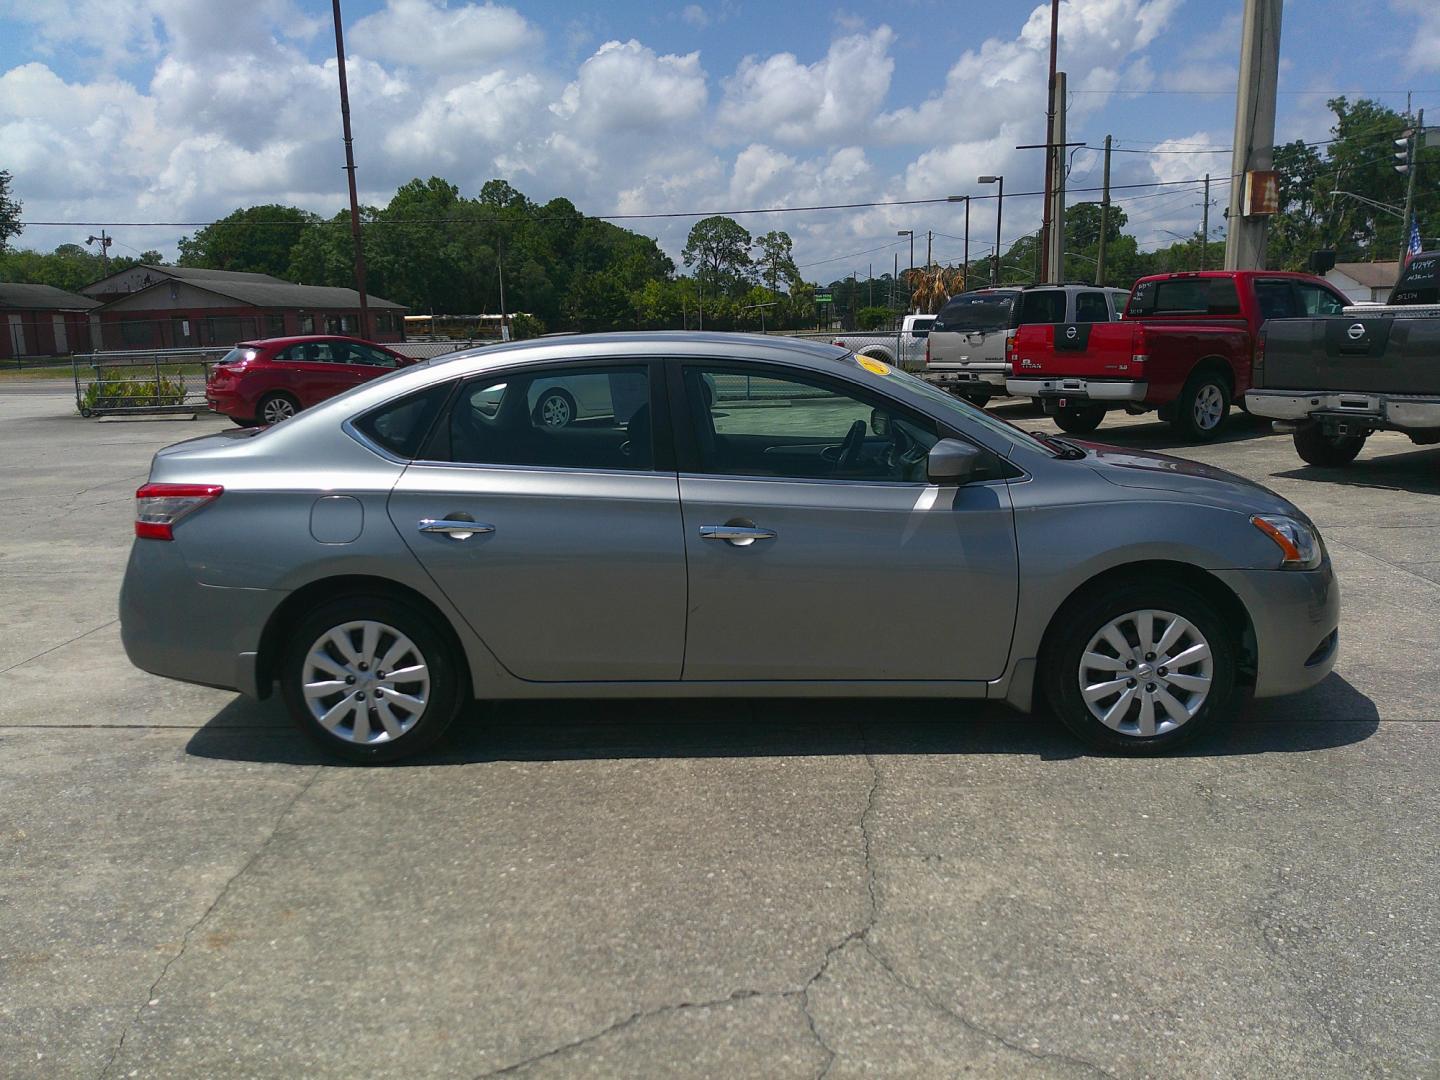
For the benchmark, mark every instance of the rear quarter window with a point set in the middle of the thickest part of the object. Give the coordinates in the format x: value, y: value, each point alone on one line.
x: 1047, y: 306
x: 401, y: 426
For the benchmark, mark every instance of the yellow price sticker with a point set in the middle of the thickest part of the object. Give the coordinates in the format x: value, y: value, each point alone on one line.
x: 875, y: 367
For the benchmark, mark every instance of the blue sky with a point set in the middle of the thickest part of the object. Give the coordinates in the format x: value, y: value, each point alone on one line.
x: 182, y: 110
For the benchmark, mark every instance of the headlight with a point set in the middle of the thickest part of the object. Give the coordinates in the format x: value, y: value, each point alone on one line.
x: 1299, y: 544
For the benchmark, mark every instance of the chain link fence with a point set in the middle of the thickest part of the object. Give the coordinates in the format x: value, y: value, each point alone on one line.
x: 127, y: 383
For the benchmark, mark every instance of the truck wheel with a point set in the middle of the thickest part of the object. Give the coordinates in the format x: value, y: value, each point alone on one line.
x: 1080, y: 419
x: 1317, y: 448
x: 1203, y: 405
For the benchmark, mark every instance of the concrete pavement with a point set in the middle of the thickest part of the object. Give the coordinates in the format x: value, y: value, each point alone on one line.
x: 709, y: 888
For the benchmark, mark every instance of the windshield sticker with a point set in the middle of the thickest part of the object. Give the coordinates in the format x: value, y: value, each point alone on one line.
x: 875, y: 367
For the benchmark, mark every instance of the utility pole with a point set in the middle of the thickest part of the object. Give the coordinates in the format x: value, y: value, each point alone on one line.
x: 894, y: 280
x: 1052, y: 265
x: 350, y: 171
x: 104, y: 242
x: 967, y: 241
x: 909, y: 277
x: 1104, y: 219
x: 504, y: 319
x: 1205, y: 225
x: 929, y: 247
x: 1412, y: 166
x: 1254, y: 131
x: 1051, y: 154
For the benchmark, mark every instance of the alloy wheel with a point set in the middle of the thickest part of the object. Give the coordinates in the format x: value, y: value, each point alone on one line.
x: 1209, y: 407
x: 365, y: 682
x: 555, y: 411
x: 277, y: 409
x: 1146, y: 673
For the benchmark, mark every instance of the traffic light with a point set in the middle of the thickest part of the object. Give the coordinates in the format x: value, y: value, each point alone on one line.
x: 1402, y: 154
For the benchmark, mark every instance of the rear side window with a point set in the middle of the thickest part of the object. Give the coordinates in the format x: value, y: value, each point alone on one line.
x: 570, y: 418
x: 1091, y: 307
x: 401, y: 426
x: 1045, y: 306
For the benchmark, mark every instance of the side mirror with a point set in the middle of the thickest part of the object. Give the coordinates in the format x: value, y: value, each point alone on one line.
x: 952, y: 462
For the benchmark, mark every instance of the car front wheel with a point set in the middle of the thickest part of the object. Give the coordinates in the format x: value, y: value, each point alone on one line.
x: 1141, y: 669
x: 371, y: 679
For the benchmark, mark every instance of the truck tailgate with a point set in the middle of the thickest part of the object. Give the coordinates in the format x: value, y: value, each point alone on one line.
x: 1370, y: 355
x: 1085, y: 350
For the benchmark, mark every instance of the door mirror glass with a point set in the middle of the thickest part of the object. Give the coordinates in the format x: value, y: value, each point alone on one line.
x: 952, y: 462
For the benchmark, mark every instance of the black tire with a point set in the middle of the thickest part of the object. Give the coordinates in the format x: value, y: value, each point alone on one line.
x: 244, y: 423
x: 978, y: 400
x: 1203, y: 405
x: 276, y: 403
x: 1081, y: 620
x: 1333, y: 451
x: 556, y: 409
x: 1079, y: 419
x: 447, y: 692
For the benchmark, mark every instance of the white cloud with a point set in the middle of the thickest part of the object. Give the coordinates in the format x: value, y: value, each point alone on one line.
x: 831, y: 99
x: 427, y: 34
x: 695, y: 15
x: 1424, y: 51
x: 627, y: 86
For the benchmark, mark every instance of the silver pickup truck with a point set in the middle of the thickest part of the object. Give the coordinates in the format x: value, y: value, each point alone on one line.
x: 1333, y: 382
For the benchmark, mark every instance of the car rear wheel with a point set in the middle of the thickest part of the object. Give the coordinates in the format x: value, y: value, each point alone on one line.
x: 1317, y: 448
x: 276, y: 407
x: 1203, y: 405
x: 1079, y: 419
x: 371, y: 679
x: 555, y: 409
x: 244, y: 423
x: 1140, y: 669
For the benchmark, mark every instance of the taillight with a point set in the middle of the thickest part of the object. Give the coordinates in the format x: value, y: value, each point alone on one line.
x: 1138, y: 353
x: 927, y: 352
x: 1259, y: 363
x: 159, y: 506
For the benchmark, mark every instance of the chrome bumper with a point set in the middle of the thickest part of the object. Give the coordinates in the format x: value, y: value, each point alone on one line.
x: 1401, y: 411
x: 991, y: 374
x: 1088, y: 389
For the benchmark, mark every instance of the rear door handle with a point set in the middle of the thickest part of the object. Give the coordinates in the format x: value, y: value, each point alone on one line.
x: 736, y: 535
x: 456, y: 530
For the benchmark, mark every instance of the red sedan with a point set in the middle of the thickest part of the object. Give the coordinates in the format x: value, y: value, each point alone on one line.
x: 264, y: 382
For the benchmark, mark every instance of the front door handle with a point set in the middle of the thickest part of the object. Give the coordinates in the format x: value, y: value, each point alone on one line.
x: 736, y: 535
x: 456, y: 530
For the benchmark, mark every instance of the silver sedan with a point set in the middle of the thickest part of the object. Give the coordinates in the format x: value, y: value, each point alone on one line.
x: 726, y: 516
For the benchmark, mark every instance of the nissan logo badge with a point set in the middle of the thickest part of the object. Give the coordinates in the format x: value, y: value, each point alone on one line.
x: 1071, y: 332
x: 1356, y: 331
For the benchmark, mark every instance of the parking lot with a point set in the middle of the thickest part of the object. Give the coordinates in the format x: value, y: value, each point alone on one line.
x: 774, y: 888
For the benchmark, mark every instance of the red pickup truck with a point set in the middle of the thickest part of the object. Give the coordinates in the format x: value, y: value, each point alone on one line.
x: 1184, y: 346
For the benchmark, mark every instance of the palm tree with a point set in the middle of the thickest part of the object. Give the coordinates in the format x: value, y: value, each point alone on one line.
x: 931, y: 286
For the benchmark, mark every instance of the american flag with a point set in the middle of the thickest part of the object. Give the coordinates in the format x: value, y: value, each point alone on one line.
x: 1413, y: 248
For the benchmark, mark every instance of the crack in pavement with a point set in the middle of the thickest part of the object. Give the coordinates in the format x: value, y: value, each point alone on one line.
x: 150, y: 998
x: 860, y: 936
x: 47, y: 652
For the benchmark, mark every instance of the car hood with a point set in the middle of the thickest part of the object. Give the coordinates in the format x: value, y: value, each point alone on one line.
x: 1187, y: 479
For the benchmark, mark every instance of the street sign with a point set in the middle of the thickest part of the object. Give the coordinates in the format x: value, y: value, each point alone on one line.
x: 823, y: 298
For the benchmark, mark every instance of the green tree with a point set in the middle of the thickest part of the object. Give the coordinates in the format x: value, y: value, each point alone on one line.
x: 1082, y: 226
x: 719, y: 249
x: 9, y: 212
x: 776, y: 261
x: 253, y: 239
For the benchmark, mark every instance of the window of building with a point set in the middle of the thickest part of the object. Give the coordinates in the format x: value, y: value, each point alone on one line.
x: 137, y: 333
x: 275, y: 325
x: 225, y: 329
x: 307, y: 324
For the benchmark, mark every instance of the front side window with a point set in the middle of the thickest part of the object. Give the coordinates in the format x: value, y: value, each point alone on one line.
x: 574, y: 418
x: 368, y: 357
x: 1091, y: 307
x: 1317, y: 301
x: 793, y: 427
x: 1275, y: 300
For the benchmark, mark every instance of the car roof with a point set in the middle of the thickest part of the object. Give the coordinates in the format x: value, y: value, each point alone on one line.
x: 657, y: 344
x: 300, y: 339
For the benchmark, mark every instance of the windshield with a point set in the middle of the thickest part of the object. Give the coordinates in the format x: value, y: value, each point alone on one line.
x: 972, y: 413
x: 977, y: 311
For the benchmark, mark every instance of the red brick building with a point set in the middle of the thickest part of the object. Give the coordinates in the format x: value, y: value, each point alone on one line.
x: 41, y: 320
x: 168, y: 307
